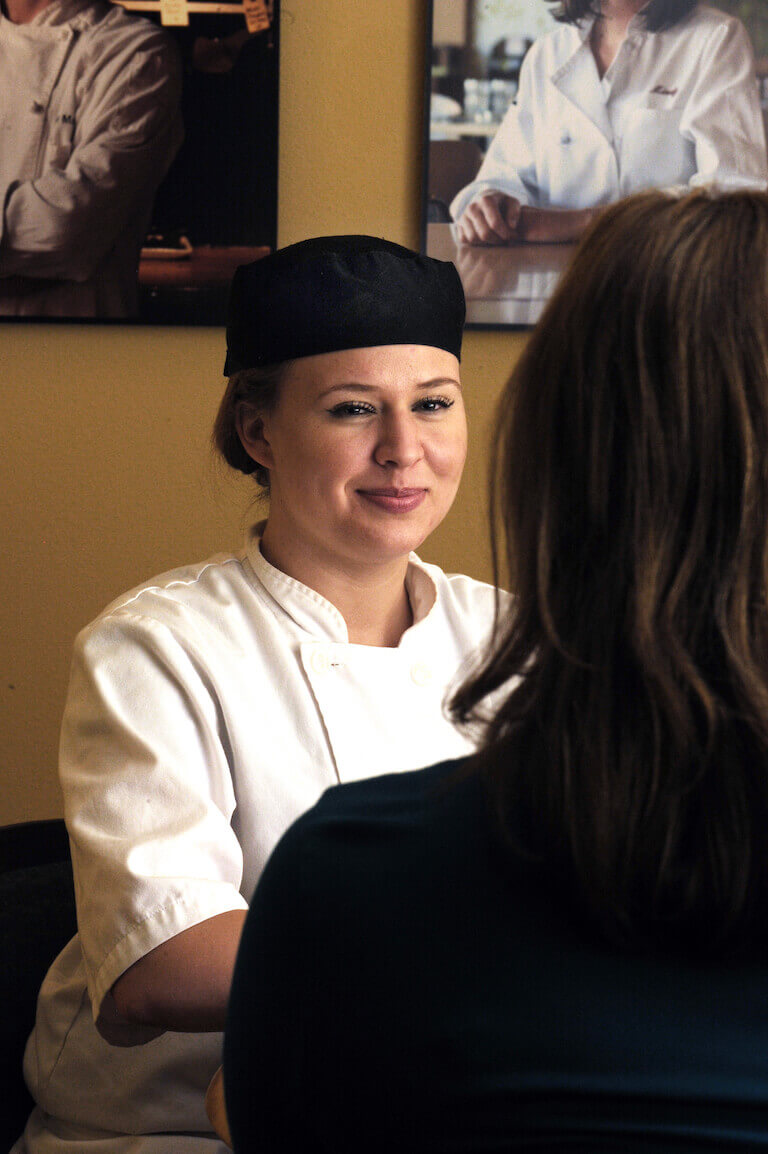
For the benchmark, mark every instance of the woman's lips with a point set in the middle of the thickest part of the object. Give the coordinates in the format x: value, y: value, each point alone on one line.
x: 394, y: 500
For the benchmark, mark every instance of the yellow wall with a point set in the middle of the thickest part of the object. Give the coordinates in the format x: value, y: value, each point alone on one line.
x: 106, y: 475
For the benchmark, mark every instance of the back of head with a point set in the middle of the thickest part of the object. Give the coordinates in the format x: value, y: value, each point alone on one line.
x: 631, y: 481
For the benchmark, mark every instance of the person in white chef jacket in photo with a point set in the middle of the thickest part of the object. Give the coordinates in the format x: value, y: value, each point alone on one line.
x: 213, y: 705
x: 625, y: 95
x: 89, y: 124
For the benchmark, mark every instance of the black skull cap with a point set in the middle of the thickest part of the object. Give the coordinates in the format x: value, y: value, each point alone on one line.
x: 341, y: 292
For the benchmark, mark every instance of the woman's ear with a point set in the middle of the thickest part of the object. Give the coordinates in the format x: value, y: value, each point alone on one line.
x: 253, y: 434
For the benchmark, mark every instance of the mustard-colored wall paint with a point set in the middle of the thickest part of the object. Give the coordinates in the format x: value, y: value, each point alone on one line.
x: 105, y: 475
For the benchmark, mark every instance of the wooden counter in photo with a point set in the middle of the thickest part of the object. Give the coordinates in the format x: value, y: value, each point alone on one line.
x: 192, y: 288
x: 206, y: 265
x: 504, y: 284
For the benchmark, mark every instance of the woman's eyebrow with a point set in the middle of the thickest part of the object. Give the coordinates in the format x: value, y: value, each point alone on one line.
x: 436, y: 381
x: 368, y: 388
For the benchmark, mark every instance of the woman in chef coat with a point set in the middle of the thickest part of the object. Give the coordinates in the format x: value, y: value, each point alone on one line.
x: 90, y: 119
x: 654, y: 94
x: 211, y: 706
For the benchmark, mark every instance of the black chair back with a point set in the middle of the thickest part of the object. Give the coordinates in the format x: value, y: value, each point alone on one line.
x: 37, y: 919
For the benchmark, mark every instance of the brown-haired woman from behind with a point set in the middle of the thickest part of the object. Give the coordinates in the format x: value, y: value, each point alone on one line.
x: 561, y: 939
x: 632, y: 488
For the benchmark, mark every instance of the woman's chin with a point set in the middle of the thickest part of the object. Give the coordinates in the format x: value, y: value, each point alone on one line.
x: 394, y: 543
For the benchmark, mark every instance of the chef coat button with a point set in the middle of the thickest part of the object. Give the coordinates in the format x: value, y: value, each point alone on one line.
x: 320, y: 662
x: 421, y: 674
x: 37, y: 106
x: 565, y: 136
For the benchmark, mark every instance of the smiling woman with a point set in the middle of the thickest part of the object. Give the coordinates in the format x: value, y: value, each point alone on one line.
x: 214, y: 704
x: 365, y: 449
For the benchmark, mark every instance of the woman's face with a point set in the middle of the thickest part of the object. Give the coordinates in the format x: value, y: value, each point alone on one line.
x: 365, y: 450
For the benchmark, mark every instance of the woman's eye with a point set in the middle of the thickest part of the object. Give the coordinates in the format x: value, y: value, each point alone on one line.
x: 433, y: 404
x: 351, y: 409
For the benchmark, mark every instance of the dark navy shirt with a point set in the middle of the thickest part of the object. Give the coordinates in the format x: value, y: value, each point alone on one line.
x: 399, y: 989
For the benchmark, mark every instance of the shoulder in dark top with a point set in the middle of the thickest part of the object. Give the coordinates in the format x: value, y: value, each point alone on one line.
x: 398, y: 991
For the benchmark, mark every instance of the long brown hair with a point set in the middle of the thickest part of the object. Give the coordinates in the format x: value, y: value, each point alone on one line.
x: 656, y: 15
x: 629, y: 753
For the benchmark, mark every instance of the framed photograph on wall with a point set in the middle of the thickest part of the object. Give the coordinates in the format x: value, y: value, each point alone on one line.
x: 535, y: 120
x: 138, y: 156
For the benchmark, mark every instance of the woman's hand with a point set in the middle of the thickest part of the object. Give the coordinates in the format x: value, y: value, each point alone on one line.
x: 184, y: 983
x: 489, y: 219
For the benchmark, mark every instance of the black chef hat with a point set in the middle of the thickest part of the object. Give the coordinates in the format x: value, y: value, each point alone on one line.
x: 341, y: 292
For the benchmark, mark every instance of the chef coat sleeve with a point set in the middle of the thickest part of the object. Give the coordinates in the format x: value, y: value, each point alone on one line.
x: 62, y: 224
x: 723, y: 116
x: 148, y: 795
x: 509, y: 165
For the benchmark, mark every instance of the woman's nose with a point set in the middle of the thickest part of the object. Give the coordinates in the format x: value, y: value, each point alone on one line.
x: 399, y: 442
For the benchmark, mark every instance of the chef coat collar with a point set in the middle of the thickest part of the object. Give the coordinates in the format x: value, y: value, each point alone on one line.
x: 578, y: 81
x: 576, y: 77
x: 313, y: 612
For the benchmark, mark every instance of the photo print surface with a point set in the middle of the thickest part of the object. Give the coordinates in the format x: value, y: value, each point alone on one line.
x: 534, y: 123
x: 138, y: 156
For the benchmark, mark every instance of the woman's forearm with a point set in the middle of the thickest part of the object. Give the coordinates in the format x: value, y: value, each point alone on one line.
x: 553, y: 225
x: 184, y: 983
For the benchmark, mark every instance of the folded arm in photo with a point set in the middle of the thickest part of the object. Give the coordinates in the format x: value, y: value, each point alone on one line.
x: 61, y: 224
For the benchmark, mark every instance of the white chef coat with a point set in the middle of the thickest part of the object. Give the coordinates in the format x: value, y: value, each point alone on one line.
x: 89, y: 123
x: 207, y: 710
x: 675, y: 107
